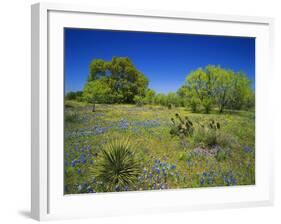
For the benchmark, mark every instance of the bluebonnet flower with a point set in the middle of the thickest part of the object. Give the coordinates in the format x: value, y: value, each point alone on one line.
x: 90, y: 189
x: 117, y: 188
x: 202, y: 180
x: 83, y: 158
x: 247, y: 149
x: 173, y: 166
x: 89, y: 147
x: 146, y: 123
x: 157, y: 170
x: 126, y: 188
x: 123, y: 124
x: 84, y: 161
x: 157, y: 161
x: 92, y: 162
x: 73, y: 163
x: 230, y: 179
x: 79, y: 171
x: 99, y: 130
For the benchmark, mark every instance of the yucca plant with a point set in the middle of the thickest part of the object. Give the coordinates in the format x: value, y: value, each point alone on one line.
x: 117, y: 167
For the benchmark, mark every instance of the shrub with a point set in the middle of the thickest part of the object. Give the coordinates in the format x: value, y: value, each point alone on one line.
x: 207, y: 135
x: 169, y: 106
x: 222, y: 153
x: 73, y: 95
x: 139, y: 101
x: 181, y: 127
x: 117, y: 166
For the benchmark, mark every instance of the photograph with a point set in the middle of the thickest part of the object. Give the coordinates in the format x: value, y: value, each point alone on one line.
x: 148, y: 111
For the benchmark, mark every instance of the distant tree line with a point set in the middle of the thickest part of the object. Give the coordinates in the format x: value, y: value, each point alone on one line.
x: 119, y: 81
x: 74, y: 95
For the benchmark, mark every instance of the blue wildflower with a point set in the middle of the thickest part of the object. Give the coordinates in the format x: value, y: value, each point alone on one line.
x: 84, y: 161
x: 73, y: 163
x: 117, y: 188
x: 157, y: 170
x: 247, y: 149
x: 90, y: 189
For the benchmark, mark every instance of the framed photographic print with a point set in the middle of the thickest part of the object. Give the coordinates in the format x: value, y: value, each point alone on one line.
x: 148, y: 111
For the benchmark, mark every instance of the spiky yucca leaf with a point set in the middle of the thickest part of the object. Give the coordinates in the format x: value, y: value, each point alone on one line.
x: 117, y: 166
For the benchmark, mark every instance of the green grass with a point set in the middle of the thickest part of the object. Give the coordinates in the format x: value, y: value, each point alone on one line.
x: 167, y: 162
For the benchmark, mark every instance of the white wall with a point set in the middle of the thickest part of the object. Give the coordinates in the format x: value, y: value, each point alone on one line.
x: 15, y: 110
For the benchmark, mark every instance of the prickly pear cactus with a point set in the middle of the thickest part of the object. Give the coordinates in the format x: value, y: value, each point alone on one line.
x: 214, y: 125
x: 182, y: 127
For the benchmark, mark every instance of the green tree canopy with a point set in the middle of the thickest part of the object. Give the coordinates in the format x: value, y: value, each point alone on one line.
x: 122, y: 78
x: 214, y: 85
x: 74, y: 95
x: 149, y: 96
x: 97, y: 91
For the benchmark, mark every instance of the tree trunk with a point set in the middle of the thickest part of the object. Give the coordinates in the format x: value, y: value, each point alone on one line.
x: 221, y: 109
x: 94, y: 108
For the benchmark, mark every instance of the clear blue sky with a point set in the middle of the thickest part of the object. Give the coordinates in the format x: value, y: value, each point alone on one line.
x: 166, y: 59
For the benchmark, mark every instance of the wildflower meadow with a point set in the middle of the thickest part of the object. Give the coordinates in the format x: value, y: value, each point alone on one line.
x: 170, y: 111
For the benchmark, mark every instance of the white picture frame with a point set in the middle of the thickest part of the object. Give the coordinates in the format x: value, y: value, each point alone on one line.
x: 47, y: 199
